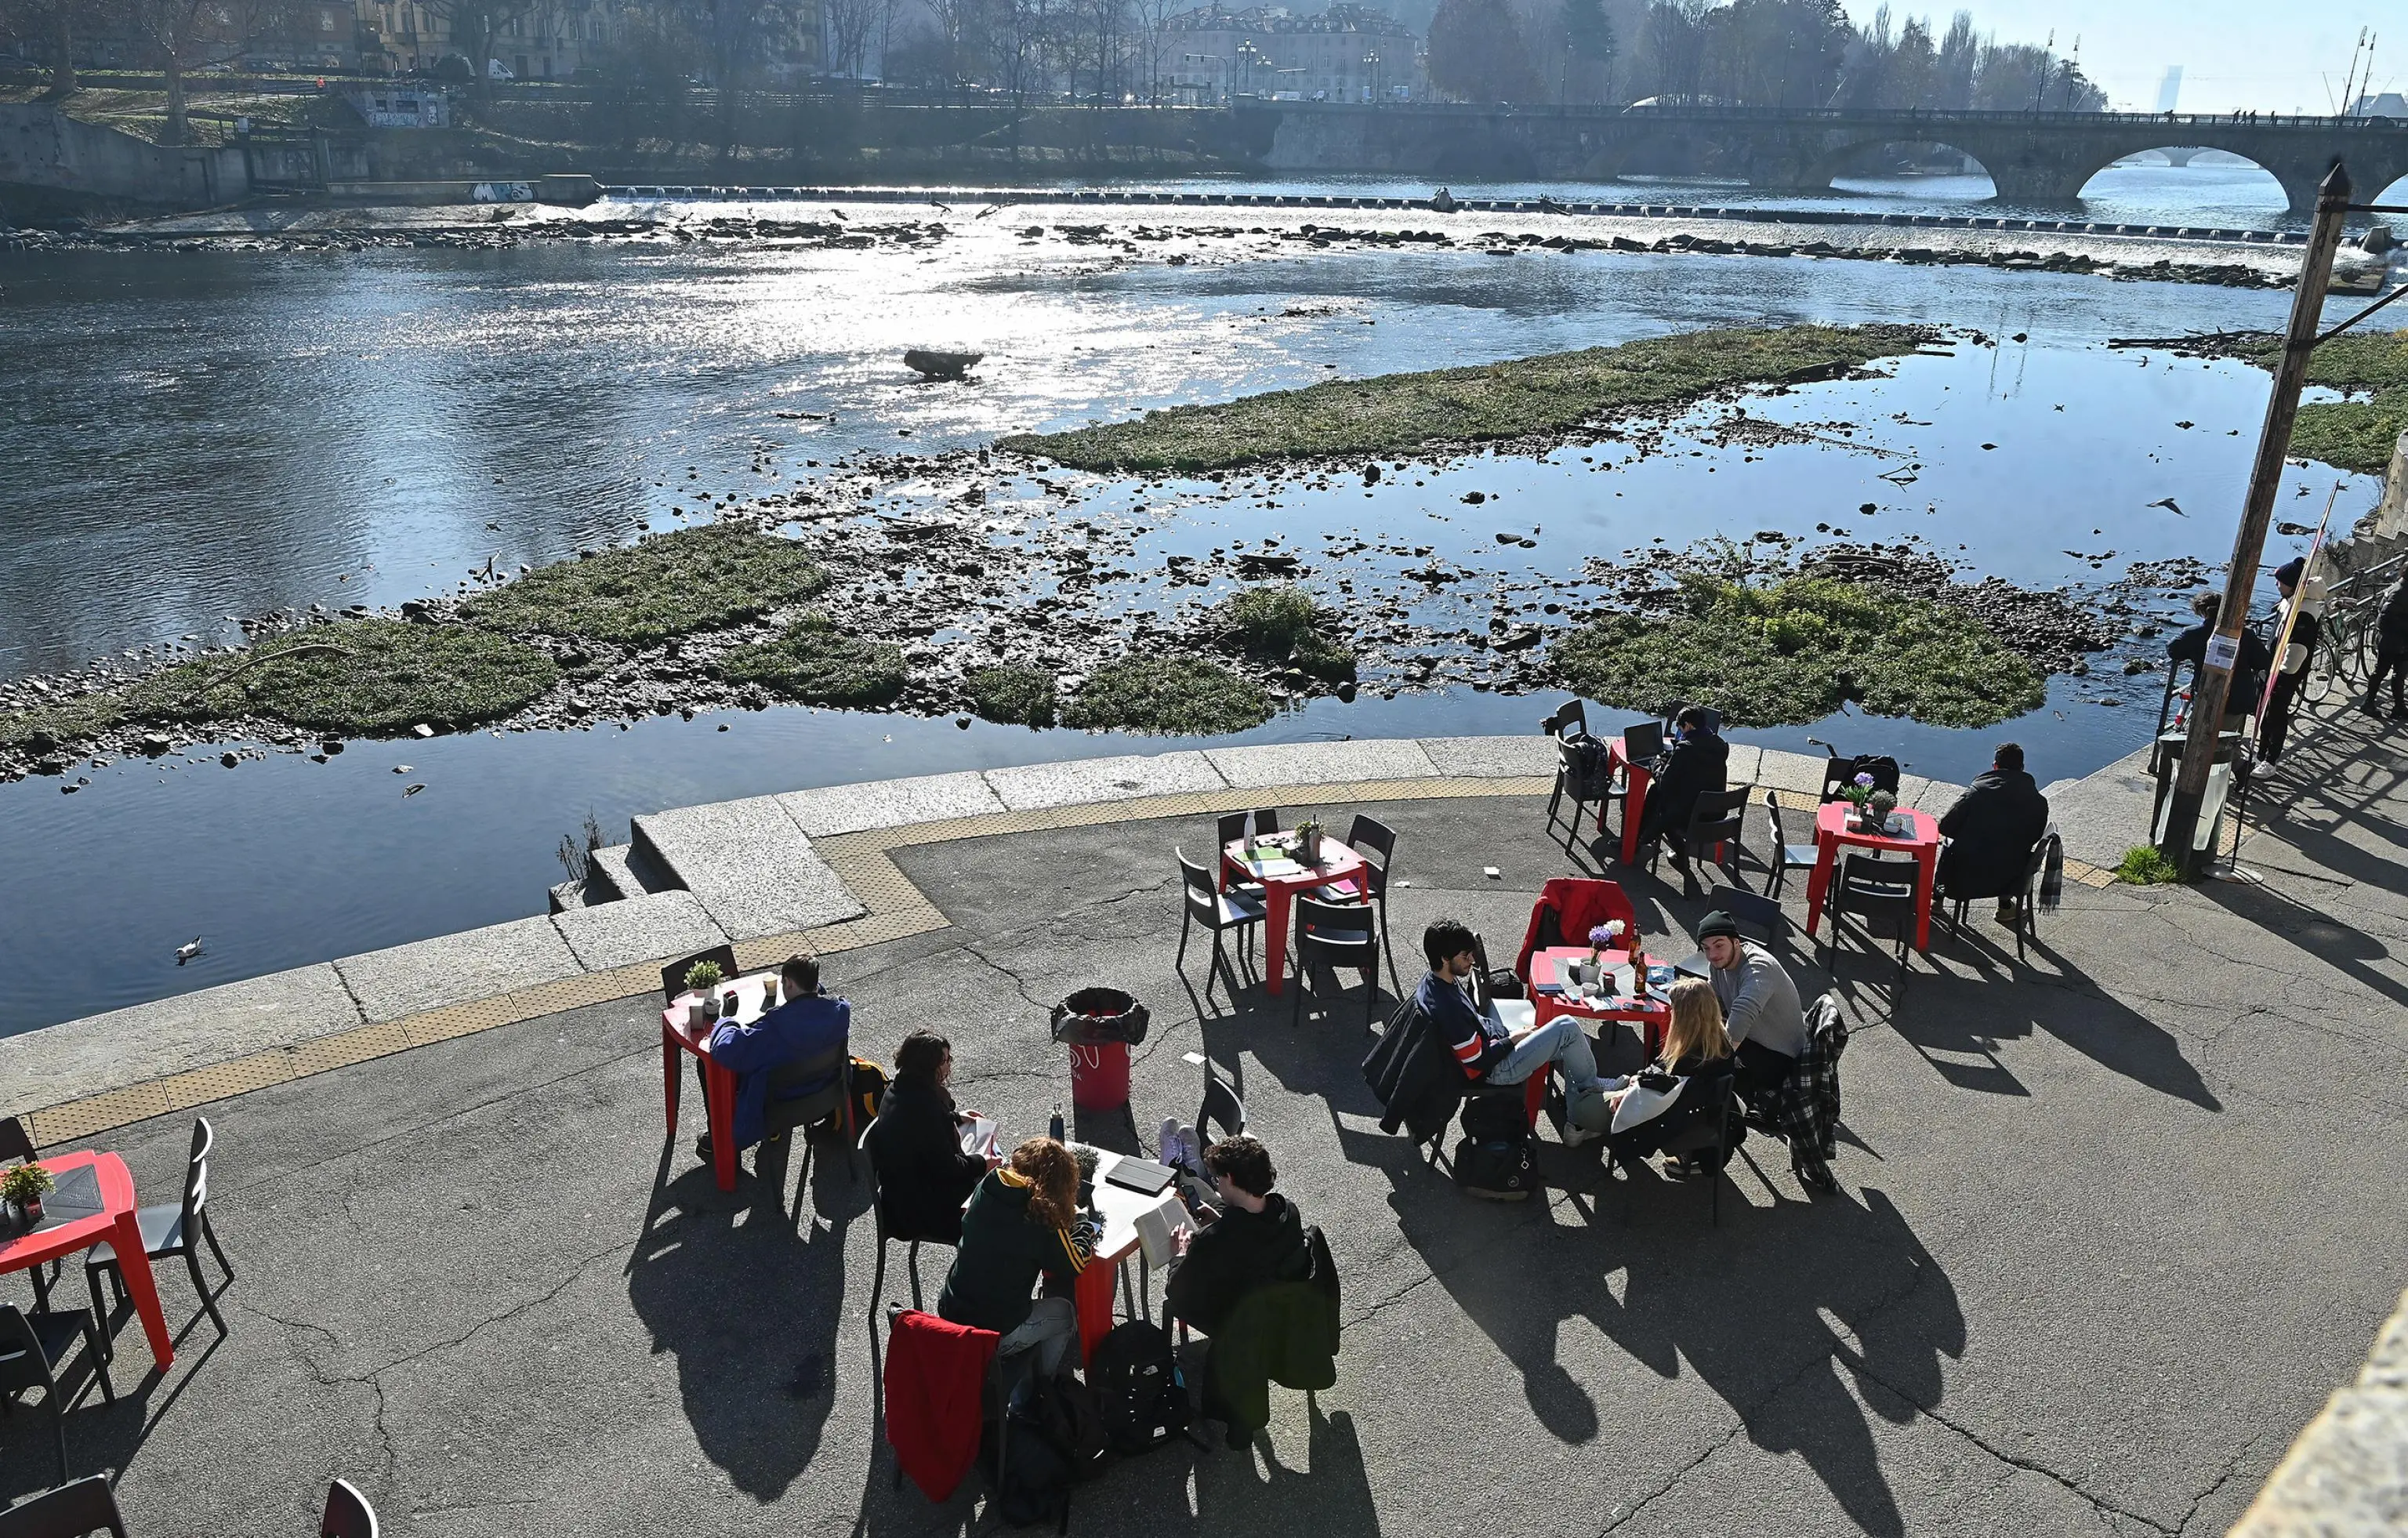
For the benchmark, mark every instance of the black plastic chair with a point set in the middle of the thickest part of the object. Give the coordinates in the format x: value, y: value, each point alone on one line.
x: 71, y: 1511
x: 31, y: 1345
x: 1781, y: 856
x: 1267, y: 821
x: 1759, y: 918
x: 1221, y: 1108
x: 167, y: 1231
x: 673, y: 975
x: 1201, y: 902
x: 1708, y: 1132
x: 1377, y: 842
x: 347, y: 1513
x: 995, y: 1409
x: 804, y: 1091
x: 1230, y: 829
x: 2025, y: 898
x: 871, y: 1143
x: 1337, y: 935
x: 1840, y: 774
x: 1871, y: 886
x: 1713, y: 835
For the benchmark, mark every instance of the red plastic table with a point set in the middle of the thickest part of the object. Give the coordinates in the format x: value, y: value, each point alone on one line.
x: 680, y: 1039
x: 1340, y: 863
x: 1634, y: 805
x: 1650, y: 1017
x: 116, y: 1225
x: 1831, y: 831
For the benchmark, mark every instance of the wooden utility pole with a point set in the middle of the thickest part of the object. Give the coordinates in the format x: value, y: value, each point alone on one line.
x: 2214, y: 681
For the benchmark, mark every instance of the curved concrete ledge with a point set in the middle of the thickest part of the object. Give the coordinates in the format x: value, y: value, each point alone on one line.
x: 2346, y: 1476
x: 769, y: 874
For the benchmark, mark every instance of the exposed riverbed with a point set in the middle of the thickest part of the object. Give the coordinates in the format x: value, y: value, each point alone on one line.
x: 204, y: 436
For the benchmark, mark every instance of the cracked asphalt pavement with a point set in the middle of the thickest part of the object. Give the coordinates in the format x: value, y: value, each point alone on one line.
x: 2112, y: 1224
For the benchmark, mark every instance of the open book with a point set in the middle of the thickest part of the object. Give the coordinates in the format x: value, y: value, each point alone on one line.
x: 979, y: 1135
x: 1157, y: 1226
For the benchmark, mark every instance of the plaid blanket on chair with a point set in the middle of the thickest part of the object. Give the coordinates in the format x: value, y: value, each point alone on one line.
x: 1805, y: 1111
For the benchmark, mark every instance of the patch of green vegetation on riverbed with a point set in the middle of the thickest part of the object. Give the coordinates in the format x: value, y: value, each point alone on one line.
x: 362, y: 678
x: 1170, y: 696
x: 1789, y: 651
x: 1397, y: 413
x: 665, y: 586
x: 2352, y: 435
x: 366, y: 677
x: 1014, y: 696
x: 819, y: 665
x: 1281, y: 623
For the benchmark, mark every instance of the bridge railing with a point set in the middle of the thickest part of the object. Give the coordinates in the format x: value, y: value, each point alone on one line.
x: 1856, y: 117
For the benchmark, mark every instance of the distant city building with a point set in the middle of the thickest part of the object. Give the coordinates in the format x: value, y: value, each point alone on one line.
x: 400, y: 105
x: 1347, y: 53
x: 551, y: 42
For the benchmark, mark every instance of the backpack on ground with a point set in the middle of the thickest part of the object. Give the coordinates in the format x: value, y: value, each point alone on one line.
x: 868, y: 1091
x: 1034, y: 1483
x: 1137, y: 1378
x: 1496, y: 1118
x: 1068, y: 1414
x: 1500, y: 1170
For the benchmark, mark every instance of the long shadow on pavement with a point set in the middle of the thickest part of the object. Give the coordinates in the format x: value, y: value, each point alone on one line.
x: 749, y: 1299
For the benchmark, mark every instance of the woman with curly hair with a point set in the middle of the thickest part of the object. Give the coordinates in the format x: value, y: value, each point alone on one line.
x: 1023, y: 1221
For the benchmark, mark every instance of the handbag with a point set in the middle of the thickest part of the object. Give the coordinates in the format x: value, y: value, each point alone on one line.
x: 1648, y: 1099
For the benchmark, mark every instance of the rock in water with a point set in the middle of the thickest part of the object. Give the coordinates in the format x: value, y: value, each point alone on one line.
x: 940, y: 363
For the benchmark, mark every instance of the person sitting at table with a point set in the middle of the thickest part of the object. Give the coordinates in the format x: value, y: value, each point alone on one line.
x: 1489, y: 1053
x: 2248, y: 672
x: 1990, y: 830
x: 1681, y: 1087
x: 806, y: 1025
x: 1695, y: 765
x: 924, y: 1173
x: 1257, y: 1240
x: 1759, y: 1005
x: 1022, y: 1222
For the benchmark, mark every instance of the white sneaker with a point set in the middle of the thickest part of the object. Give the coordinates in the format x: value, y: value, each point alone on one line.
x: 1190, y: 1152
x: 1576, y: 1135
x: 1167, y: 1142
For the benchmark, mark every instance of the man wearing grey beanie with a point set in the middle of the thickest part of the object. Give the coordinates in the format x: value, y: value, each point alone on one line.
x: 1760, y: 1009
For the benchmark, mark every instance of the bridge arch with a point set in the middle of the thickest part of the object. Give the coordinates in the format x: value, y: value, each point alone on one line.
x: 1868, y: 158
x: 2213, y: 186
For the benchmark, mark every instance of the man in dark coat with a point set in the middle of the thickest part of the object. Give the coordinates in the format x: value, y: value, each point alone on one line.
x: 1696, y: 764
x: 1990, y: 832
x: 1257, y: 1242
x: 2249, y: 671
x: 2390, y: 650
x: 2292, y: 667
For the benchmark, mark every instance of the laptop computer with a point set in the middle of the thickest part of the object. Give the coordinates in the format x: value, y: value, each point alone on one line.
x: 1643, y: 740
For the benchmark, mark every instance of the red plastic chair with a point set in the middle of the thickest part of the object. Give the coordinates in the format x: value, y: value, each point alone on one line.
x: 1577, y: 905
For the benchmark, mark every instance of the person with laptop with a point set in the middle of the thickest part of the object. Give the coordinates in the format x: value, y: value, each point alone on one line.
x: 1760, y: 1010
x: 807, y: 1025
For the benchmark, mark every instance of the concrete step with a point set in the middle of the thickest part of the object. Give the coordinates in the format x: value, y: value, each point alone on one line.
x: 748, y: 863
x: 611, y: 875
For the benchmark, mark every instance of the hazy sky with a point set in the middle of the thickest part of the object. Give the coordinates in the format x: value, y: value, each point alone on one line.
x: 2280, y: 57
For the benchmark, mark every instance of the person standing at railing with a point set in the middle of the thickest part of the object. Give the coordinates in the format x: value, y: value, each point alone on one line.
x: 2390, y: 648
x: 2292, y: 666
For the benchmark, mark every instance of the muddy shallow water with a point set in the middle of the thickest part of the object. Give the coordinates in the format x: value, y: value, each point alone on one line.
x: 204, y: 436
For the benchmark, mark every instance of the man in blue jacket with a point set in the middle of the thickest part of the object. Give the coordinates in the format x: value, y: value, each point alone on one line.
x: 803, y: 1025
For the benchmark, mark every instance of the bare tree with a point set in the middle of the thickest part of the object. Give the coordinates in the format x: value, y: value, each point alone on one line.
x: 474, y: 25
x: 850, y: 23
x: 52, y: 26
x: 188, y: 34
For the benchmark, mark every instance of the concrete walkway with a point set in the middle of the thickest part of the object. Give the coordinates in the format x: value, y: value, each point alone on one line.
x: 2112, y: 1223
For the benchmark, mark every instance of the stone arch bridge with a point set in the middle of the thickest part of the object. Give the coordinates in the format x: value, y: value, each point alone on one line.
x: 2031, y: 157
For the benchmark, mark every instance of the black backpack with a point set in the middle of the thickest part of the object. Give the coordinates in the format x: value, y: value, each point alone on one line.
x: 1496, y: 1118
x: 1057, y: 1439
x: 1144, y: 1397
x: 1498, y: 1170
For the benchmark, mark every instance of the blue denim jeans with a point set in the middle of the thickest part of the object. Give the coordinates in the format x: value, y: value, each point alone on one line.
x: 1559, y: 1043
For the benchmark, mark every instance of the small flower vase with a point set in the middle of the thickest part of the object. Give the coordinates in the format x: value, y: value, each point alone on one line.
x: 31, y: 1211
x: 1878, y: 807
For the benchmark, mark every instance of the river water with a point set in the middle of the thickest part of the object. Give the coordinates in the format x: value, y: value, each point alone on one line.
x: 191, y: 438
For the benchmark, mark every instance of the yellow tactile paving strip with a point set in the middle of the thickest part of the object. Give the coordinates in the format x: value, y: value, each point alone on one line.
x: 896, y: 908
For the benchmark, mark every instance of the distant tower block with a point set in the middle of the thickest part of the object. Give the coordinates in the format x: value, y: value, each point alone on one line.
x: 2170, y: 89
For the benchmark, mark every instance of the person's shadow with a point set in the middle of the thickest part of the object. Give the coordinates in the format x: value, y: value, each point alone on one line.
x: 748, y: 1298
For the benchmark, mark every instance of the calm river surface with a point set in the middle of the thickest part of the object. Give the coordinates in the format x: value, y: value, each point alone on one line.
x: 191, y: 438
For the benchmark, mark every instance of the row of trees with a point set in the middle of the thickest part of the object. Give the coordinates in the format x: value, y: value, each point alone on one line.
x: 1752, y: 52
